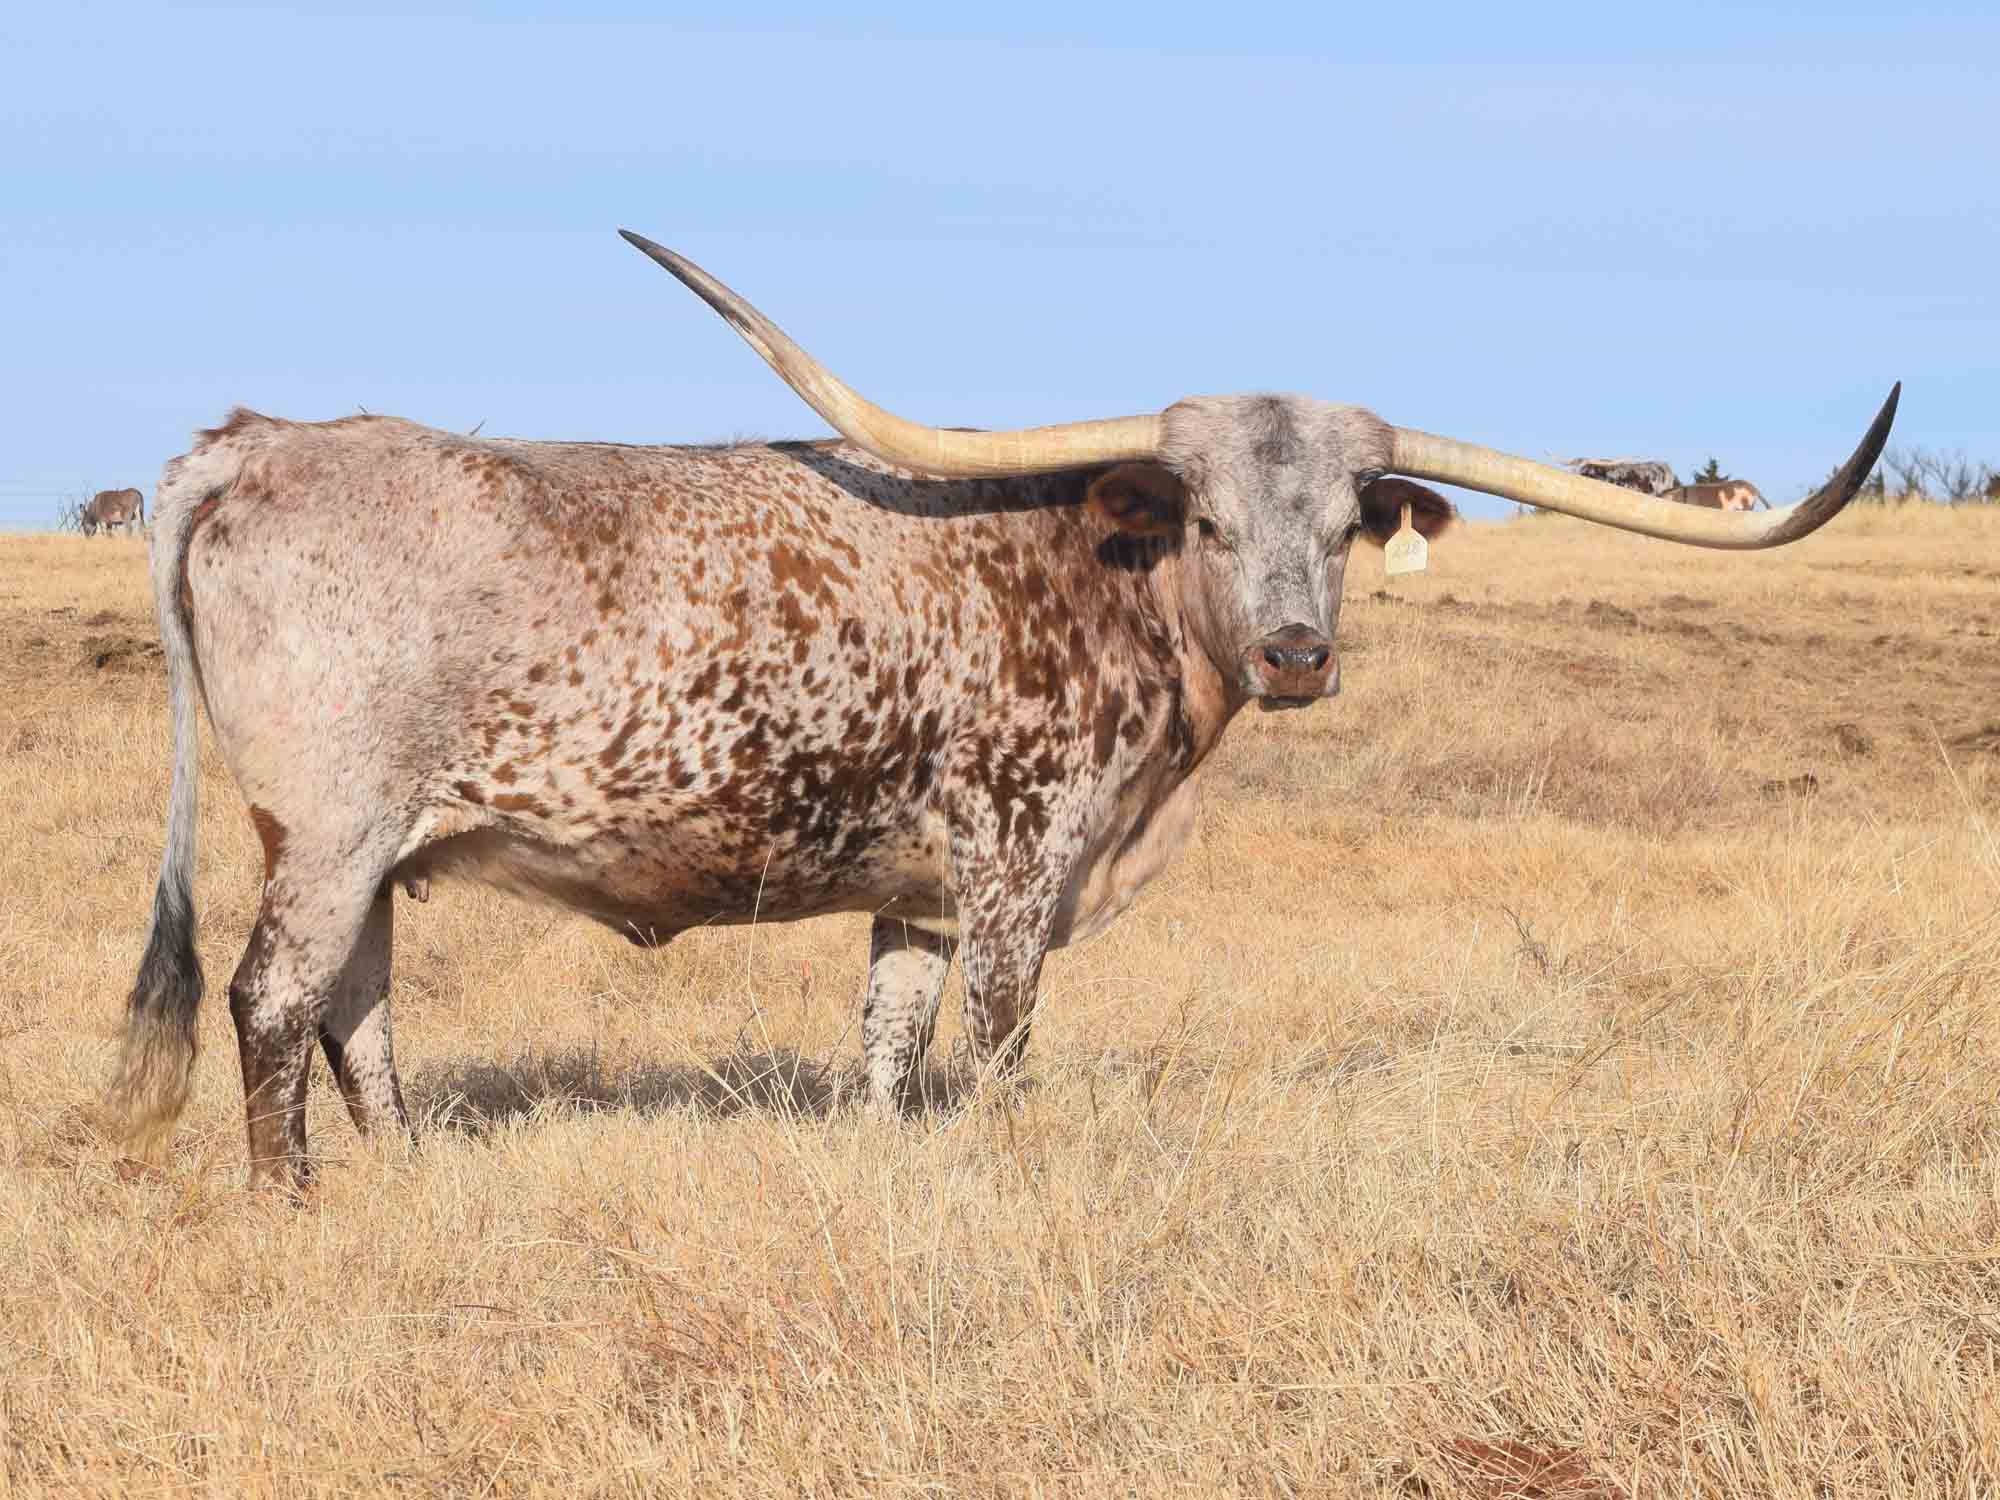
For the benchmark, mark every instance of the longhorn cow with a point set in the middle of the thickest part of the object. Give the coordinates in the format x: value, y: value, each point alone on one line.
x: 963, y: 681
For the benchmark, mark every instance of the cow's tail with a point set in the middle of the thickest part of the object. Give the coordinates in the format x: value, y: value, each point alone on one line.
x: 156, y: 1062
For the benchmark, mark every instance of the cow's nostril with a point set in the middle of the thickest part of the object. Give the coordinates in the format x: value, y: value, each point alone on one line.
x: 1317, y: 657
x: 1275, y: 656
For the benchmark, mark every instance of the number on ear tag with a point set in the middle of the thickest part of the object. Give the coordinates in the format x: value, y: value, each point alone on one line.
x: 1407, y: 551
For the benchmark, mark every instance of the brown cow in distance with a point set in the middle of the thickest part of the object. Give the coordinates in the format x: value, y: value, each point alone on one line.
x: 1722, y: 494
x: 109, y: 508
x: 964, y: 682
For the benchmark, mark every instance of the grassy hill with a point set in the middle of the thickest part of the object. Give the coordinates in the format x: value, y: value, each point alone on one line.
x: 1568, y: 1060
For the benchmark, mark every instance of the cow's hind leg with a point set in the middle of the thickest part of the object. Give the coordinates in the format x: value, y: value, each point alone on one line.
x: 354, y: 1031
x: 906, y: 971
x: 298, y: 953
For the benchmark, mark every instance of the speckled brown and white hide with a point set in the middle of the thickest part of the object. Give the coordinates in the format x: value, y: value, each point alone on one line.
x: 677, y: 686
x: 1647, y: 476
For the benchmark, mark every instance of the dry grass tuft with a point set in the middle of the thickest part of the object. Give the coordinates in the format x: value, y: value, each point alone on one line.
x: 1564, y: 1068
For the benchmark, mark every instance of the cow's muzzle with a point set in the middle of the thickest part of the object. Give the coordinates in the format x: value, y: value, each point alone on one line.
x: 1292, y: 666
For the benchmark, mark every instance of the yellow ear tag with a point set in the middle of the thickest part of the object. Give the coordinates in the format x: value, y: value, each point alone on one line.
x: 1407, y: 551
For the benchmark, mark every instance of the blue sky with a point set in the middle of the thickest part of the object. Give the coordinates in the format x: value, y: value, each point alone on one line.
x: 1720, y: 229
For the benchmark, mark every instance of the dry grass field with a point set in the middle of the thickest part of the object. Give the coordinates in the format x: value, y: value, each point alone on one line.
x: 1564, y: 1067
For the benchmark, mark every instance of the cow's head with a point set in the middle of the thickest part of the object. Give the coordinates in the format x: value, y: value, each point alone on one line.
x: 1267, y: 493
x: 1264, y: 497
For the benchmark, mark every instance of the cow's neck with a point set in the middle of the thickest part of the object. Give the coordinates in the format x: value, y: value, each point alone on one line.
x: 1210, y: 700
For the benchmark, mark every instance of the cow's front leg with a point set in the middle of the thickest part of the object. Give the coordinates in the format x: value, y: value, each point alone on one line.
x: 1001, y: 977
x: 906, y: 970
x: 1006, y: 909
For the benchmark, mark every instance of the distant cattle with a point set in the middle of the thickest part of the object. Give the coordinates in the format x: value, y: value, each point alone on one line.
x: 109, y: 508
x: 1726, y: 494
x: 1646, y: 475
x: 1651, y: 477
x: 964, y: 682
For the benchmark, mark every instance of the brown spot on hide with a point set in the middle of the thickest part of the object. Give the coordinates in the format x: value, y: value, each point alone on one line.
x: 1110, y: 709
x: 271, y: 834
x: 614, y: 752
x: 470, y: 793
x: 808, y: 574
x: 798, y: 626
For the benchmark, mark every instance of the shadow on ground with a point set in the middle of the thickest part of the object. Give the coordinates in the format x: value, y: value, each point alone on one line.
x: 476, y: 1095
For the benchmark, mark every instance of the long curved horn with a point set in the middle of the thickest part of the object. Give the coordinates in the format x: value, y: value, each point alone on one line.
x: 1422, y: 456
x: 894, y: 439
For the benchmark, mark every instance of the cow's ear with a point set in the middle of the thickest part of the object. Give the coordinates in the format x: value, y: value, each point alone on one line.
x: 1382, y: 503
x: 1140, y: 500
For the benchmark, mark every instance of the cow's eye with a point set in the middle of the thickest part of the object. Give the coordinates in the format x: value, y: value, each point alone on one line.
x: 1206, y: 529
x: 1367, y: 477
